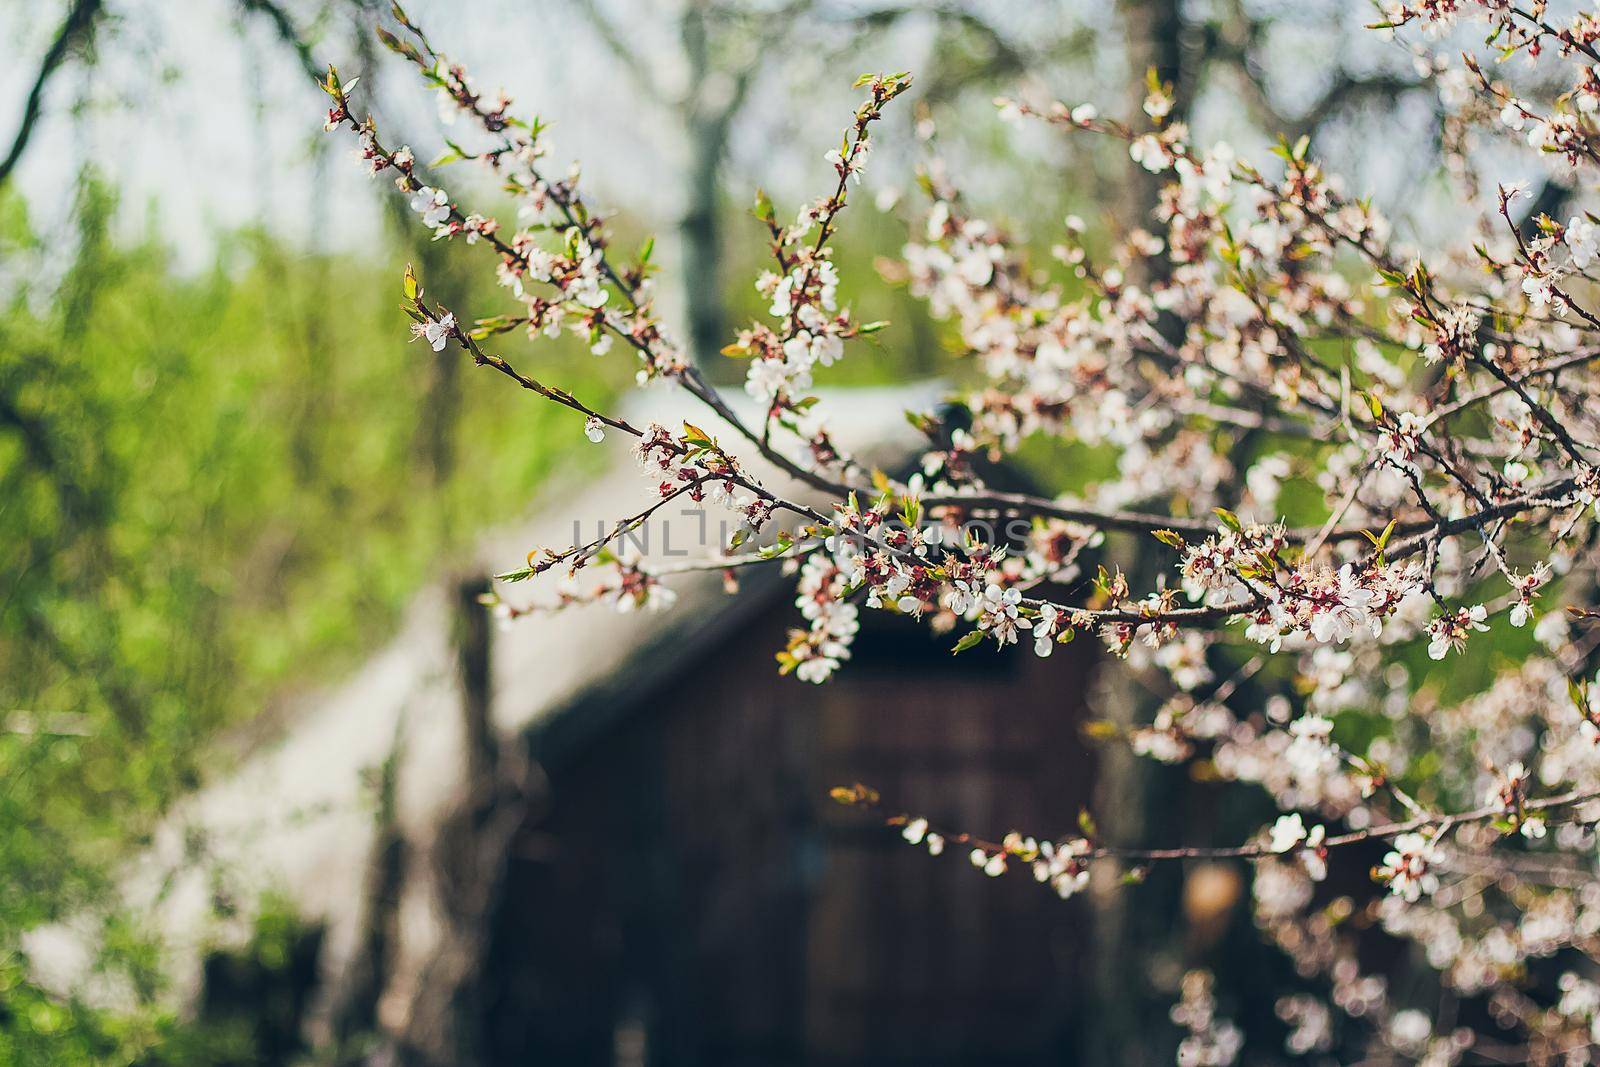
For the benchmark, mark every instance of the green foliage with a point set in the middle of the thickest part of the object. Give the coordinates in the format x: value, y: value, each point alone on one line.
x: 213, y: 489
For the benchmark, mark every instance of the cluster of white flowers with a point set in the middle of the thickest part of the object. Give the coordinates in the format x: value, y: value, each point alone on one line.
x: 1208, y: 1041
x: 636, y: 589
x: 1211, y: 569
x: 1400, y: 440
x: 1330, y: 606
x: 1310, y: 1024
x: 1450, y: 632
x: 833, y: 621
x: 1582, y: 238
x: 998, y: 614
x: 806, y: 300
x: 1062, y: 865
x: 803, y: 297
x: 584, y: 283
x: 1454, y: 338
x: 1410, y: 866
x: 916, y: 833
x: 1311, y: 754
x: 1289, y: 834
x: 1580, y: 1003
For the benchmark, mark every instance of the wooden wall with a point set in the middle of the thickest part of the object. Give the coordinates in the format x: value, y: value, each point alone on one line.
x: 691, y: 896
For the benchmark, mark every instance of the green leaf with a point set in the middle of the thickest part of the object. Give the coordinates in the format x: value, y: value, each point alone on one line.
x: 911, y: 511
x: 520, y: 575
x: 778, y: 548
x: 763, y: 208
x: 1383, y: 539
x: 696, y: 437
x: 971, y: 639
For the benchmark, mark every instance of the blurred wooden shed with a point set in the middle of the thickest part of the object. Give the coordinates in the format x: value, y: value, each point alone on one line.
x: 601, y: 839
x: 690, y: 895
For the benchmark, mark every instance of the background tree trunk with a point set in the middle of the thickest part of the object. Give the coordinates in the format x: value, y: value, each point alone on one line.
x: 1127, y: 788
x: 467, y: 861
x: 700, y: 238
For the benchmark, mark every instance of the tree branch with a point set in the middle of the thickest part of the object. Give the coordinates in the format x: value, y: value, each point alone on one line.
x: 284, y: 26
x: 75, y: 29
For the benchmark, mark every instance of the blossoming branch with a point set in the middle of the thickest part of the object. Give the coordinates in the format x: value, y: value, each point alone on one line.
x: 1266, y: 334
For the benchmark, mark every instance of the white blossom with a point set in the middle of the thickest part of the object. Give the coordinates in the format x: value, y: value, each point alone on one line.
x: 435, y: 331
x: 1582, y: 238
x: 433, y: 205
x: 1287, y: 832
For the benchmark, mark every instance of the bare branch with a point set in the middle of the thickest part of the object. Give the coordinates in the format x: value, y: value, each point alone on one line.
x: 76, y: 30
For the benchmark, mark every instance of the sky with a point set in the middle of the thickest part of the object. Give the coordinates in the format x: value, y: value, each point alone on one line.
x: 205, y: 121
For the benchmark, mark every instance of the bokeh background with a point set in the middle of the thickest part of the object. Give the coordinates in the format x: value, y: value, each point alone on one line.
x: 227, y: 481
